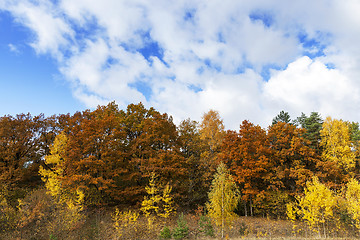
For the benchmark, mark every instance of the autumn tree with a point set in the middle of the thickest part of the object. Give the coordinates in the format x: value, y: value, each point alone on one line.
x: 21, y: 152
x: 317, y: 206
x: 153, y: 145
x: 292, y: 163
x: 191, y: 148
x: 110, y: 153
x: 69, y: 203
x: 95, y: 155
x: 158, y: 202
x: 246, y: 153
x: 338, y: 159
x: 211, y: 133
x: 223, y: 198
x: 352, y: 201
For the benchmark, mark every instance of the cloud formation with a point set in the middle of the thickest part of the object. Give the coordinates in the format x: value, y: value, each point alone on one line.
x: 246, y: 59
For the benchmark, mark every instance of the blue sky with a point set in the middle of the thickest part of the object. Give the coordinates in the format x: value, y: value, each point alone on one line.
x: 246, y: 59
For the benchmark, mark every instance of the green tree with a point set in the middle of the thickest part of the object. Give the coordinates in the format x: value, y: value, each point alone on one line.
x: 312, y: 125
x: 223, y: 198
x: 282, y: 117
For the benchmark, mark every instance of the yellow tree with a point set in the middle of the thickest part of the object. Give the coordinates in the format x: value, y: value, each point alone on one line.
x: 338, y: 159
x: 70, y: 204
x: 316, y: 207
x: 211, y: 135
x: 223, y: 198
x: 55, y: 161
x: 157, y: 203
x: 352, y: 201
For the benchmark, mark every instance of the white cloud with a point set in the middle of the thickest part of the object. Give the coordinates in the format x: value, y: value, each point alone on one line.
x: 308, y: 85
x: 212, y: 54
x: 13, y: 48
x: 50, y: 29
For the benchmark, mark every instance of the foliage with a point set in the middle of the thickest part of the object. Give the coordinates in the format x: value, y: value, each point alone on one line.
x: 316, y: 207
x: 247, y: 155
x: 35, y: 209
x: 282, y: 117
x: 123, y: 221
x: 223, y: 198
x: 8, y: 214
x: 313, y: 126
x: 165, y: 233
x: 211, y: 131
x: 205, y: 226
x: 157, y: 203
x: 292, y: 161
x: 192, y: 147
x: 182, y: 229
x: 352, y: 201
x: 337, y: 156
x: 21, y: 150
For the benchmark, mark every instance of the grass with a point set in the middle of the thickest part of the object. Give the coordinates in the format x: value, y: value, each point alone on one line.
x: 99, y: 225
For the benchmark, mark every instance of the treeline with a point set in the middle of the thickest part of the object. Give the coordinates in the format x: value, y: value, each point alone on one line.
x: 109, y: 155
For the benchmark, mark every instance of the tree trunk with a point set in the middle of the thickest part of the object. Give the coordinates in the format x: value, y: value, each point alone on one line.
x: 222, y: 213
x: 251, y: 209
x: 245, y: 209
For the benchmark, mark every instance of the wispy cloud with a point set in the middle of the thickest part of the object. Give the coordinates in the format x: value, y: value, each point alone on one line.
x: 13, y: 48
x: 247, y: 59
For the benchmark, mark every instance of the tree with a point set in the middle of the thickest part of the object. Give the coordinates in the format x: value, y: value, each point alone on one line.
x: 282, y: 117
x: 95, y: 158
x: 53, y: 174
x: 69, y: 203
x: 223, y: 198
x: 352, y: 200
x: 292, y: 160
x: 246, y: 153
x: 157, y: 203
x: 211, y: 133
x: 316, y: 207
x: 191, y: 148
x: 21, y: 152
x: 153, y: 145
x: 338, y: 159
x: 312, y: 125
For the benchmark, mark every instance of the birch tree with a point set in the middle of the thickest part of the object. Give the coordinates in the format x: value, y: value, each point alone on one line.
x: 223, y: 198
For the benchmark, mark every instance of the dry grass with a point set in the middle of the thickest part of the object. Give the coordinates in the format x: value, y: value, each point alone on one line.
x: 98, y: 225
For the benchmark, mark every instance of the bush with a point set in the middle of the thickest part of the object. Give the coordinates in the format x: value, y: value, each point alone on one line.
x: 182, y: 230
x: 206, y: 226
x: 165, y: 233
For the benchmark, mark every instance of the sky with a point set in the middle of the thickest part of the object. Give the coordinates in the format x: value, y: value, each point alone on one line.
x: 247, y: 59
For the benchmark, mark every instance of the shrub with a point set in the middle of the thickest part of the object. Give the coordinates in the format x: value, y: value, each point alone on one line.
x: 206, y: 226
x: 182, y: 229
x: 165, y: 233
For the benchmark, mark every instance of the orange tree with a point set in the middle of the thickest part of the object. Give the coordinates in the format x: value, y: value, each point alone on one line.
x: 21, y: 150
x: 191, y: 148
x: 152, y: 146
x: 246, y: 154
x: 110, y: 153
x: 292, y: 162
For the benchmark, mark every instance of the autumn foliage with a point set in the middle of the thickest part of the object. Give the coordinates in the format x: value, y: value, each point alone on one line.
x: 108, y: 156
